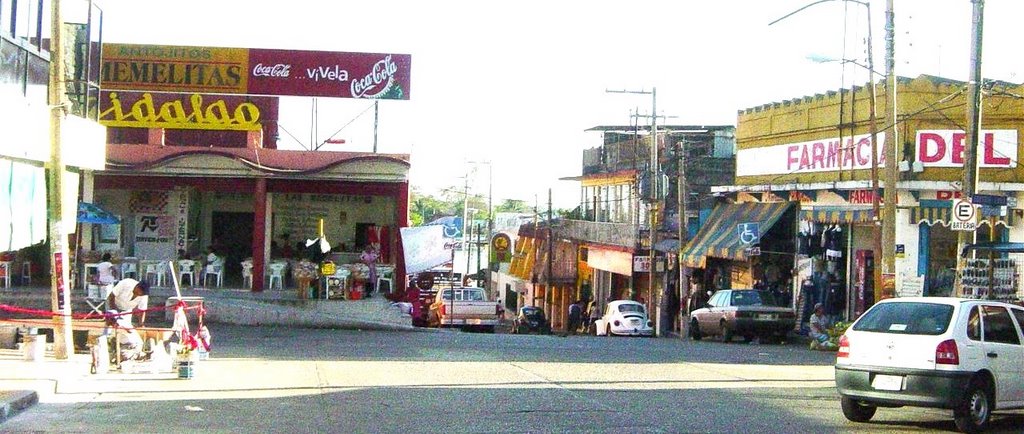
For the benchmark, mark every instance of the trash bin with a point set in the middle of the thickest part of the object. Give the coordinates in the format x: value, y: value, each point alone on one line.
x: 599, y: 324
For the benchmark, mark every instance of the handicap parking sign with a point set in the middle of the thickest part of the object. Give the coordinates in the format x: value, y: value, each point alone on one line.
x: 749, y: 233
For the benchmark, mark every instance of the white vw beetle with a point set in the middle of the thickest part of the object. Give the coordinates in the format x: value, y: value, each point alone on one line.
x: 627, y: 318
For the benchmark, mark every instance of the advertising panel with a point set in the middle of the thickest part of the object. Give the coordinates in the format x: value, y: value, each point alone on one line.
x: 253, y: 71
x: 183, y: 111
x: 945, y: 148
x: 824, y: 155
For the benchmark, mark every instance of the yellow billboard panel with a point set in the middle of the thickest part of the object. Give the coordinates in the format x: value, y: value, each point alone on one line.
x: 171, y: 68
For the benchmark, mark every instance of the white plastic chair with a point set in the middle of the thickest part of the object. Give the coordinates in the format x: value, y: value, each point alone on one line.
x: 5, y: 273
x: 247, y: 274
x: 215, y: 269
x: 129, y: 268
x: 158, y: 270
x: 26, y: 272
x: 187, y: 267
x: 277, y: 273
x: 385, y: 274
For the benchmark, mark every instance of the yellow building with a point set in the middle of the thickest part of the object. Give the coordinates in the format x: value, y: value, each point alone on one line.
x: 816, y: 151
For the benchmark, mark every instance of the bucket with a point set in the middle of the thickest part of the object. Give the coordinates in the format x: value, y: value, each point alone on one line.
x: 355, y: 295
x: 186, y: 369
x: 600, y: 329
x: 35, y: 347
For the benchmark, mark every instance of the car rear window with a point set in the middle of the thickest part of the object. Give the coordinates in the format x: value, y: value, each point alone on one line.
x: 628, y: 307
x: 910, y: 318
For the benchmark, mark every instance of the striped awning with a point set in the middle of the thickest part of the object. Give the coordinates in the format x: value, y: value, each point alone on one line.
x: 837, y: 215
x: 718, y: 236
x: 932, y: 214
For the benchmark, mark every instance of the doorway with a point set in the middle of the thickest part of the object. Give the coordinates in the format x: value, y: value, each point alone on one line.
x: 232, y: 238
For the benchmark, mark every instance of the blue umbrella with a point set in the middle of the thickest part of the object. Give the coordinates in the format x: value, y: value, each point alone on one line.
x: 92, y: 213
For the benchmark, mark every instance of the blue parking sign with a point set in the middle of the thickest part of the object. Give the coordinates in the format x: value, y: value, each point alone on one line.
x: 749, y: 233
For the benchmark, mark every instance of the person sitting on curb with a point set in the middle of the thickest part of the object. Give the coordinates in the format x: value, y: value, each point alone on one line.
x: 819, y: 329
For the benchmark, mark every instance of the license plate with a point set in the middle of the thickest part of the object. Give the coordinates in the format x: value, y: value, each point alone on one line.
x: 474, y: 321
x: 766, y: 316
x: 887, y: 382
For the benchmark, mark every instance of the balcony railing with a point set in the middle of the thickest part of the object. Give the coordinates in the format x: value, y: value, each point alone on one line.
x: 613, y: 234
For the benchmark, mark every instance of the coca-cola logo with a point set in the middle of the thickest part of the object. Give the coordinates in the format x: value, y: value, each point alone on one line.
x: 377, y: 81
x: 278, y: 70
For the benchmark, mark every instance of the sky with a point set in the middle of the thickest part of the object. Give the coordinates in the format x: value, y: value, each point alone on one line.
x: 516, y: 83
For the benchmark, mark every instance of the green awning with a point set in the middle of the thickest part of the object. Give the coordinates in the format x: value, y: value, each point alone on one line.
x: 718, y: 237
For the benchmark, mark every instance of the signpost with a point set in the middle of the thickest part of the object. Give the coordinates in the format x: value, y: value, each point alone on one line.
x: 965, y: 216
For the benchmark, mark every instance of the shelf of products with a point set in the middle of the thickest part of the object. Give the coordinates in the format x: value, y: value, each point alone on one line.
x: 1001, y: 277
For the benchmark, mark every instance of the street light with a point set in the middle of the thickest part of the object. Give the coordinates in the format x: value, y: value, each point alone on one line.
x: 873, y: 131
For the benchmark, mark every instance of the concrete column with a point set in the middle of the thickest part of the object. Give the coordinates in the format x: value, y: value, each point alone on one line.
x: 259, y: 239
x: 401, y: 221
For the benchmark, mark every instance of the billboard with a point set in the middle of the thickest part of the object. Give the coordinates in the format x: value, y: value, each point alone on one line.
x: 254, y: 71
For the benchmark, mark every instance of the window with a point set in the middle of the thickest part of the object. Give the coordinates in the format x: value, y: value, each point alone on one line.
x: 906, y: 318
x: 718, y: 300
x: 998, y: 326
x: 974, y: 325
x: 752, y: 298
x: 630, y: 308
x: 1019, y: 313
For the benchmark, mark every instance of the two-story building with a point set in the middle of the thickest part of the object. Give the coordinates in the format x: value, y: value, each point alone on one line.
x: 812, y: 156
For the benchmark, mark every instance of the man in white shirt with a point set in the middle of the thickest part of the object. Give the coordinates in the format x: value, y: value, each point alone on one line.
x: 130, y: 296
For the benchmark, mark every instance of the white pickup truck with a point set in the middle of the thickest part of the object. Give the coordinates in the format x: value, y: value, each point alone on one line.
x: 470, y: 308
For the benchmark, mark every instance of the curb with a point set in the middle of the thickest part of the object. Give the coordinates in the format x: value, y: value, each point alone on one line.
x: 15, y: 401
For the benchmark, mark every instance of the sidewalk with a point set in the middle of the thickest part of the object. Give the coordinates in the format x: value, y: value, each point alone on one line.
x: 22, y: 382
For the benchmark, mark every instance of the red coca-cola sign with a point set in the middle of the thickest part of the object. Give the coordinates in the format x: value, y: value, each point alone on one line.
x: 329, y: 74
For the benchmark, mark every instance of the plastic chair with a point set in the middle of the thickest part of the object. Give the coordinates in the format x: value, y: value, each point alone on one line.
x: 129, y: 268
x: 217, y: 270
x: 96, y: 297
x: 26, y: 272
x: 187, y: 267
x: 247, y: 274
x: 277, y: 273
x: 158, y: 270
x: 386, y: 275
x: 5, y: 273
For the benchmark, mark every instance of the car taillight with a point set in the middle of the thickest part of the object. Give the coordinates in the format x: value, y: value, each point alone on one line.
x: 844, y: 347
x: 443, y: 310
x: 617, y: 323
x: 947, y: 354
x: 650, y: 323
x: 497, y: 309
x: 742, y: 314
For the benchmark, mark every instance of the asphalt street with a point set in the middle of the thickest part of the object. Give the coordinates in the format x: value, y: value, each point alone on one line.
x: 276, y: 379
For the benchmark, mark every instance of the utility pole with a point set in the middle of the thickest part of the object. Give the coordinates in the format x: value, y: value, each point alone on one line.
x: 891, y: 151
x: 60, y: 296
x: 682, y: 193
x: 970, y: 179
x: 656, y: 187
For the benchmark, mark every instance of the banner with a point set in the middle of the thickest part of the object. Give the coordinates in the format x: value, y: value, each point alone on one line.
x: 425, y: 248
x: 254, y: 71
x: 154, y: 236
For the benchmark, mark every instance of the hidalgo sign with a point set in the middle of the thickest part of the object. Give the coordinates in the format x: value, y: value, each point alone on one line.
x: 945, y: 148
x: 161, y: 68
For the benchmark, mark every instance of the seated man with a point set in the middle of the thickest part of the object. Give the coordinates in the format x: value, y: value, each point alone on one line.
x: 130, y: 297
x: 819, y: 328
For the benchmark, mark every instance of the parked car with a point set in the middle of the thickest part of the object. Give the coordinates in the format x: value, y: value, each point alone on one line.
x: 952, y: 353
x: 744, y: 312
x: 627, y: 318
x: 470, y: 309
x: 531, y: 320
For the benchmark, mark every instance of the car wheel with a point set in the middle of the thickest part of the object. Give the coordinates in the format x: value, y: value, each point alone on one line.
x: 695, y: 330
x: 748, y: 339
x: 726, y: 333
x: 489, y: 329
x: 856, y: 411
x: 973, y: 414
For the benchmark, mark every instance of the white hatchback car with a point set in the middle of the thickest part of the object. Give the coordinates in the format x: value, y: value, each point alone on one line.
x: 954, y: 353
x: 628, y: 318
